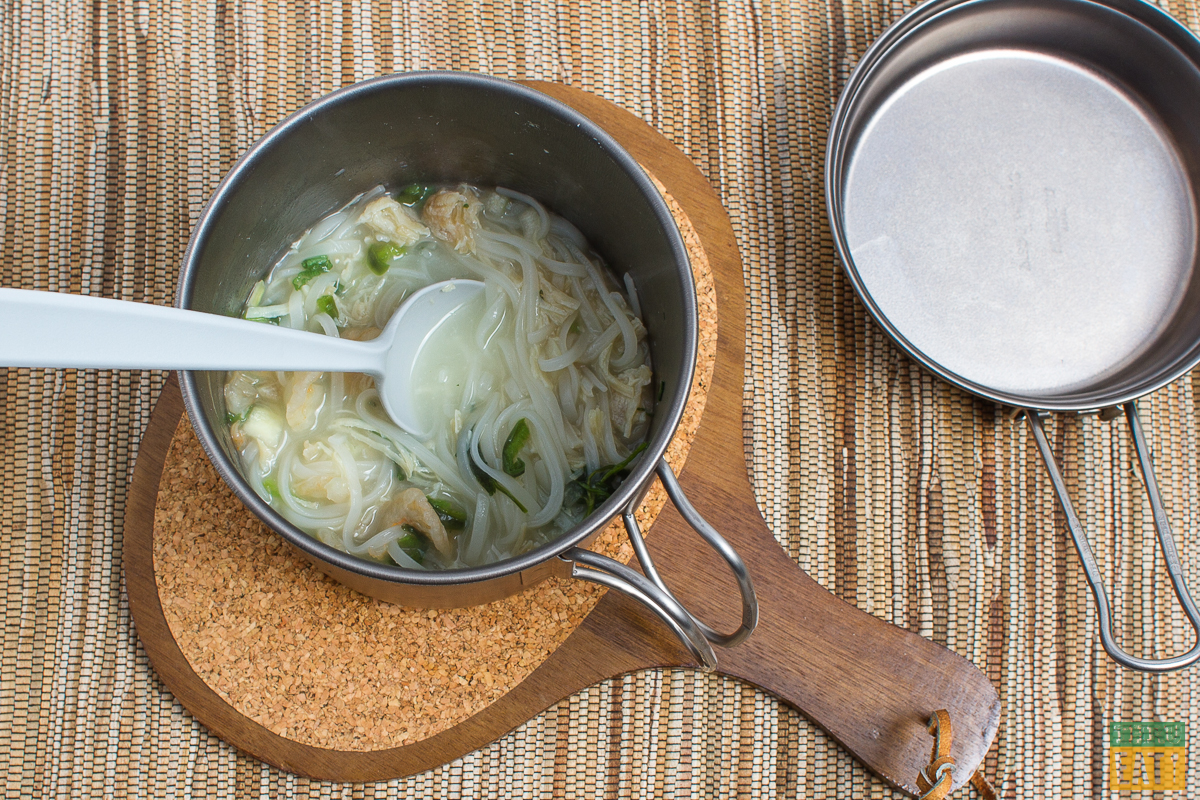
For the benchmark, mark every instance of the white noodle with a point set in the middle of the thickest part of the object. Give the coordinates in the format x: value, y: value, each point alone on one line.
x: 296, y: 318
x: 323, y: 229
x: 529, y: 201
x: 566, y: 230
x: 631, y: 291
x: 569, y: 357
x: 402, y: 558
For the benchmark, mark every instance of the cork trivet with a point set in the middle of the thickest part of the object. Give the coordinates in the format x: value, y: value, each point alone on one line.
x: 320, y: 664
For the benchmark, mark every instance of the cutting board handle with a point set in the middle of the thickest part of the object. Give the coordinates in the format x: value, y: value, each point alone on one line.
x: 872, y: 686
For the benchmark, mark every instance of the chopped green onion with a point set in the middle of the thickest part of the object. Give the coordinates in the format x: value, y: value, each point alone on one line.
x: 662, y: 387
x: 272, y: 487
x: 413, y: 544
x: 266, y: 312
x: 452, y: 517
x: 232, y: 418
x: 401, y: 475
x: 574, y: 327
x: 412, y: 194
x: 381, y: 255
x: 326, y: 305
x: 311, y: 268
x: 512, y: 447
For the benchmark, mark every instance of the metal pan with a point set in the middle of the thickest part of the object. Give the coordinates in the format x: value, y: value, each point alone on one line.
x: 1012, y: 187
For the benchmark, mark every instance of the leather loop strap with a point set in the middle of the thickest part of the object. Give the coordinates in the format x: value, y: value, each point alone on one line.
x: 935, y: 780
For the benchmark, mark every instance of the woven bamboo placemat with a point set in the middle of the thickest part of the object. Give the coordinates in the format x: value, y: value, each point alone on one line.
x: 912, y: 500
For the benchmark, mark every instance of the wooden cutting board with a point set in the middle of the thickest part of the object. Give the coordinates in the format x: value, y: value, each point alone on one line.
x: 871, y: 685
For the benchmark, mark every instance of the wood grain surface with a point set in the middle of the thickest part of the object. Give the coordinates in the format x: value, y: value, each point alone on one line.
x: 871, y: 685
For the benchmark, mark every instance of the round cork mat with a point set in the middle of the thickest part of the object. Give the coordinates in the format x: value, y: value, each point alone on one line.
x: 313, y: 661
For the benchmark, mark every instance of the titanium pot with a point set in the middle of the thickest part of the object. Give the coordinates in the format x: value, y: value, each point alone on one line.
x: 457, y: 127
x: 1012, y: 187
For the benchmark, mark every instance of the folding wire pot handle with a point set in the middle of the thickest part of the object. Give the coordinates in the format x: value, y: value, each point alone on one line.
x: 1092, y: 571
x: 650, y: 589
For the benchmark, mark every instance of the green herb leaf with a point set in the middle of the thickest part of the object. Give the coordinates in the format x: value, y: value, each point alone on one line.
x: 413, y: 543
x: 574, y: 495
x: 412, y: 194
x: 512, y: 447
x: 489, y: 484
x: 452, y: 516
x: 381, y: 255
x: 585, y: 492
x: 509, y: 495
x: 326, y: 305
x: 614, y: 471
x: 311, y: 268
x: 232, y: 418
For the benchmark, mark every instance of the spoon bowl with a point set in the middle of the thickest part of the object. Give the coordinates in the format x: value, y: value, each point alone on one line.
x: 49, y: 329
x: 414, y: 331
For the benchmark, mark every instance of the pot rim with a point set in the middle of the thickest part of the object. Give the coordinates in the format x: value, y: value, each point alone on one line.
x: 643, y: 470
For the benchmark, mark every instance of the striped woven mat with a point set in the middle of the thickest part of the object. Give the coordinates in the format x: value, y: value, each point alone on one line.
x: 904, y: 496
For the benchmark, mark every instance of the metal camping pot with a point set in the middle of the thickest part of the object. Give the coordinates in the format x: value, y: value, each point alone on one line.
x: 458, y: 127
x: 1012, y: 187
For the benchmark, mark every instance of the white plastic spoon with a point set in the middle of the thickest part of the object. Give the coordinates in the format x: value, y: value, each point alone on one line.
x: 48, y: 329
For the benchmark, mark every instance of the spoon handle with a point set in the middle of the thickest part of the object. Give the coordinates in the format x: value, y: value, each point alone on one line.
x: 49, y: 329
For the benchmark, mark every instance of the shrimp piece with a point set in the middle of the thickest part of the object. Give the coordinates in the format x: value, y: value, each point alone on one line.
x: 305, y: 397
x: 244, y: 389
x: 411, y: 508
x: 322, y: 479
x: 388, y: 218
x: 313, y: 487
x: 453, y: 216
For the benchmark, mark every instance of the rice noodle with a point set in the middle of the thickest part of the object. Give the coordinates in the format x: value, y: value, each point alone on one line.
x: 631, y: 292
x: 527, y: 200
x: 553, y: 336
